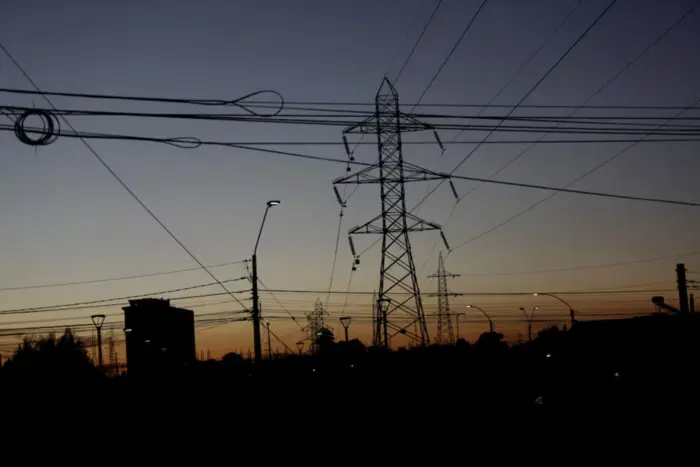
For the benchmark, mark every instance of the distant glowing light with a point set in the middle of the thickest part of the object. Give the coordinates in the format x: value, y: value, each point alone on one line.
x: 313, y: 369
x: 617, y: 374
x: 127, y: 330
x: 147, y: 341
x: 352, y: 366
x: 549, y: 355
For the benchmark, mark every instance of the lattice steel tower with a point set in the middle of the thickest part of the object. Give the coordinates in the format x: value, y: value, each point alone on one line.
x: 316, y: 322
x: 445, y: 335
x: 399, y: 303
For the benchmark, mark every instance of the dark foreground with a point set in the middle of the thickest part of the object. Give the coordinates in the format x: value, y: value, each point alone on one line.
x: 607, y: 374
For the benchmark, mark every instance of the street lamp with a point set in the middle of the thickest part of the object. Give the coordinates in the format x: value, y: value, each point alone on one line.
x: 571, y: 310
x: 256, y: 302
x: 98, y: 321
x: 529, y: 320
x: 345, y: 321
x: 485, y: 314
x: 457, y: 318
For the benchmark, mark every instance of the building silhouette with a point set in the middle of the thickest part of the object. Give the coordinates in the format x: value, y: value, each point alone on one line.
x: 159, y: 337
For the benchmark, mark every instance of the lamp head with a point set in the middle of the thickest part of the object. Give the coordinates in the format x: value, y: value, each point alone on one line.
x: 98, y: 320
x: 535, y: 294
x: 273, y: 202
x: 469, y: 306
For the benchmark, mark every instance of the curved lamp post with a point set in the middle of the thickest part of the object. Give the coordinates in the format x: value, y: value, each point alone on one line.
x: 98, y: 321
x: 485, y: 314
x: 256, y: 302
x: 571, y: 309
x: 457, y: 318
x: 345, y: 321
x: 529, y: 320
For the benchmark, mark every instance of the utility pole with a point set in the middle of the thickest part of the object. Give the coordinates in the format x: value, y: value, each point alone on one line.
x: 692, y: 303
x: 98, y: 321
x: 397, y: 272
x: 445, y: 336
x: 682, y: 287
x: 345, y: 321
x: 300, y: 347
x: 269, y: 341
x: 257, y: 344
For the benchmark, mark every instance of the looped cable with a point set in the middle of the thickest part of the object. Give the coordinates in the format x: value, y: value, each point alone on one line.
x: 47, y: 135
x: 238, y: 103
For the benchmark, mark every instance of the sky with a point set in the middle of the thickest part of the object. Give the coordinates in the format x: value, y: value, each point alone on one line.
x: 66, y: 219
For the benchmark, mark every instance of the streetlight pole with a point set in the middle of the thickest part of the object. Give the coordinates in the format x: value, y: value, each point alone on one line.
x: 457, y: 319
x: 529, y: 320
x: 485, y: 314
x: 571, y: 309
x: 98, y: 320
x: 345, y: 321
x: 256, y: 299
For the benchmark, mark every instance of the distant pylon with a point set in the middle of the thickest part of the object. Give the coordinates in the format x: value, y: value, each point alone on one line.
x: 315, y: 322
x: 445, y: 336
x: 399, y: 294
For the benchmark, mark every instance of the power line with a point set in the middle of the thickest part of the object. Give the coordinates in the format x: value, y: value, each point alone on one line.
x: 117, y: 299
x: 341, y: 103
x: 583, y: 268
x: 481, y: 294
x: 579, y: 192
x: 420, y: 37
x: 111, y: 279
x: 321, y: 118
x: 449, y: 55
x: 520, y: 69
x: 111, y: 305
x: 527, y: 61
x: 264, y: 288
x: 626, y: 67
x: 335, y: 254
x: 118, y: 179
x: 513, y: 109
x: 527, y: 95
x: 194, y: 143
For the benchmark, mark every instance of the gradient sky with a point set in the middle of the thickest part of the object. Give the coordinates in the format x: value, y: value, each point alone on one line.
x: 64, y: 218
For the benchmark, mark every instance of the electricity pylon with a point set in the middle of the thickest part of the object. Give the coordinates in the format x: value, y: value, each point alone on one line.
x: 445, y: 336
x: 399, y: 294
x: 315, y: 324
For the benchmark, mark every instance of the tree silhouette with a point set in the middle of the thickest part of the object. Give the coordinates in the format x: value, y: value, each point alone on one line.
x: 491, y: 341
x: 232, y: 358
x: 63, y: 358
x: 325, y: 339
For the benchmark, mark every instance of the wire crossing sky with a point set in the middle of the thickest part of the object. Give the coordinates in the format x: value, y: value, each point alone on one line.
x: 71, y: 234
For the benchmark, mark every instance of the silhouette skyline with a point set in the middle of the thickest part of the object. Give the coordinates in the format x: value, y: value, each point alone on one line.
x: 66, y: 220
